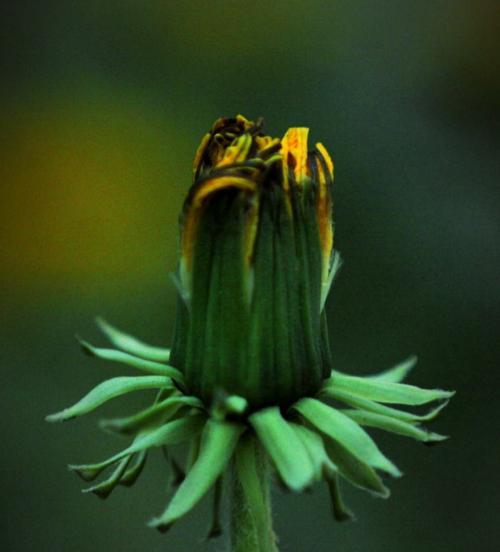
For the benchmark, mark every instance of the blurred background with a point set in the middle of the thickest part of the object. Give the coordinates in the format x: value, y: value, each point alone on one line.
x: 102, y: 106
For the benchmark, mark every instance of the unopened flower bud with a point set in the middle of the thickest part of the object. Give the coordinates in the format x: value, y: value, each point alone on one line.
x: 256, y: 252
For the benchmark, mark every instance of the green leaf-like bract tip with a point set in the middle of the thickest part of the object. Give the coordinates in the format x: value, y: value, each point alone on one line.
x: 107, y: 390
x: 132, y: 345
x: 346, y: 432
x: 148, y: 366
x: 383, y: 391
x: 284, y: 447
x: 162, y: 411
x: 170, y: 433
x: 218, y: 443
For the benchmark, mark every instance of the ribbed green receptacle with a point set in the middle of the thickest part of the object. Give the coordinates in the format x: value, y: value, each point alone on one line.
x: 252, y: 327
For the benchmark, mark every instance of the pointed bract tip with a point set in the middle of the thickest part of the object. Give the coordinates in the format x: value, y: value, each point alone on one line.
x: 101, y: 322
x: 105, y: 327
x: 56, y: 417
x: 100, y: 493
x: 412, y: 362
x: 445, y: 395
x: 385, y: 493
x: 344, y: 517
x: 86, y: 347
x: 214, y: 533
x: 157, y: 523
x: 434, y: 413
x: 83, y: 473
x: 392, y: 470
x: 434, y: 439
x: 109, y: 426
x: 299, y: 487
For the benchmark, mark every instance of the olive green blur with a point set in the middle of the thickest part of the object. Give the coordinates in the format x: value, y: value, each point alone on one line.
x: 102, y: 106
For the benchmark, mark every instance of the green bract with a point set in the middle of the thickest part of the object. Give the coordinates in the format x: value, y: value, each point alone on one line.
x: 248, y: 382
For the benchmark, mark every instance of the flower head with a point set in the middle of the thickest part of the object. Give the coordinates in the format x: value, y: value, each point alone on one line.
x: 249, y: 375
x: 256, y: 251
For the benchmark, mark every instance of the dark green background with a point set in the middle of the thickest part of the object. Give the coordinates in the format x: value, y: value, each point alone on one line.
x: 102, y: 106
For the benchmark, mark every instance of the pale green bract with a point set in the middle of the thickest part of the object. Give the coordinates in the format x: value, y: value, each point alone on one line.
x: 397, y: 373
x: 108, y: 390
x: 148, y: 366
x: 219, y: 440
x: 170, y: 433
x: 284, y: 447
x: 132, y: 345
x: 335, y: 425
x: 383, y: 391
x: 162, y: 410
x: 312, y: 441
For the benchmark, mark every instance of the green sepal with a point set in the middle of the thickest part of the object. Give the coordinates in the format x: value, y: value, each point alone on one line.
x: 134, y: 471
x: 285, y: 448
x: 161, y: 411
x: 335, y: 265
x: 108, y: 390
x: 397, y: 373
x: 372, y: 406
x: 219, y: 440
x: 104, y: 489
x: 385, y: 392
x: 346, y: 432
x: 148, y: 366
x: 171, y: 433
x: 130, y: 344
x: 357, y: 472
x: 393, y: 425
x: 339, y: 510
x: 323, y: 466
x: 247, y: 473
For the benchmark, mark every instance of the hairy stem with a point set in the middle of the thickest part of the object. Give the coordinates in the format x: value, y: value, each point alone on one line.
x: 251, y: 518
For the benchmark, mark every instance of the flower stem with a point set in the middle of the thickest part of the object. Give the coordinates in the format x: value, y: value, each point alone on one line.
x: 251, y: 518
